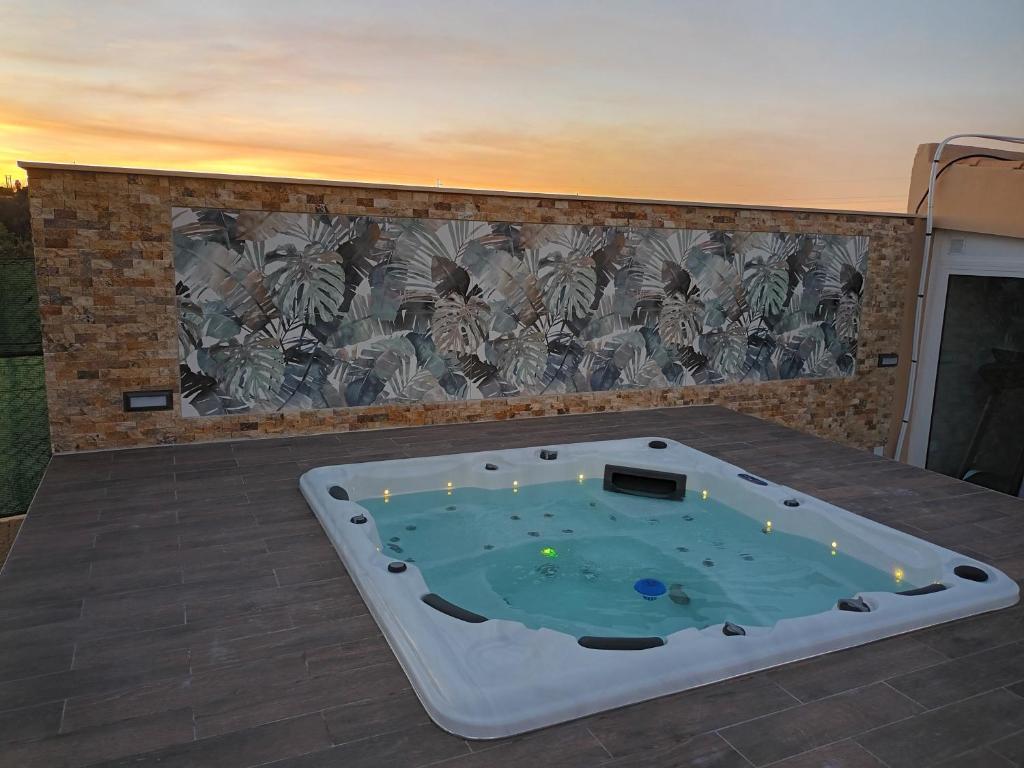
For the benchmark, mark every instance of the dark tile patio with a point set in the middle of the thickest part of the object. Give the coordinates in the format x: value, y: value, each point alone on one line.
x: 180, y: 606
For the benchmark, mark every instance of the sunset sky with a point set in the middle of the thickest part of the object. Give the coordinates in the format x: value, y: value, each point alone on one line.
x: 788, y: 102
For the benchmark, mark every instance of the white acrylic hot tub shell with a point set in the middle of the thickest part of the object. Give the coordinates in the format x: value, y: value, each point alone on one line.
x: 499, y: 678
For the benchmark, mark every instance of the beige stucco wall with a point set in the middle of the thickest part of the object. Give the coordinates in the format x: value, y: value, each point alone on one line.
x: 106, y: 287
x: 976, y: 194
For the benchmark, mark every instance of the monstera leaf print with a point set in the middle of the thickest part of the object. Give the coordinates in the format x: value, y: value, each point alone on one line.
x: 308, y: 284
x: 448, y: 277
x: 719, y: 277
x: 190, y: 323
x: 460, y: 324
x: 287, y: 311
x: 611, y: 356
x: 250, y: 371
x: 642, y: 372
x: 726, y: 349
x: 682, y: 319
x: 675, y: 279
x: 766, y: 280
x: 443, y: 368
x: 662, y: 255
x: 605, y: 320
x: 411, y: 384
x: 430, y: 251
x: 376, y: 364
x: 628, y: 282
x: 569, y: 284
x: 211, y: 272
x: 507, y: 283
x: 306, y: 370
x: 820, y: 363
x: 358, y: 325
x: 848, y: 317
x: 520, y: 359
x: 840, y: 271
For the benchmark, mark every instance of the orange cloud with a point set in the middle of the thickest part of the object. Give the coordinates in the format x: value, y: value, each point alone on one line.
x: 770, y: 103
x: 629, y: 161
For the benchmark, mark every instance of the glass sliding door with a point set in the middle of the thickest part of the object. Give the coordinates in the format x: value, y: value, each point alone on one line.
x: 977, y: 421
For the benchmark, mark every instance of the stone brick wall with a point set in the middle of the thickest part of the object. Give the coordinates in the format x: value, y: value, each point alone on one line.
x: 107, y: 297
x: 9, y: 527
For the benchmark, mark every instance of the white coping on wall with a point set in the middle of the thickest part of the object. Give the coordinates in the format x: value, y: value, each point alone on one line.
x: 499, y: 678
x: 30, y: 164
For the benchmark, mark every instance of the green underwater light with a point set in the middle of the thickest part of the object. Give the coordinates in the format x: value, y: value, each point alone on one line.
x: 549, y: 552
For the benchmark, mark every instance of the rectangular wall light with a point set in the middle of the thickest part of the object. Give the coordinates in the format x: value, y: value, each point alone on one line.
x: 890, y: 360
x: 153, y: 400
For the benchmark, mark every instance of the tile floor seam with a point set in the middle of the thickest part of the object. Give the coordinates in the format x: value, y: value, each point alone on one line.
x: 801, y: 703
x: 886, y: 680
x: 822, y: 746
x: 1003, y: 738
x: 879, y: 759
x: 63, y: 709
x: 351, y: 669
x: 858, y: 736
x: 903, y: 695
x: 599, y: 743
x: 288, y: 758
x: 793, y: 695
x: 443, y: 760
x: 1006, y: 688
x: 983, y: 747
x: 735, y: 749
x: 1004, y: 685
x: 929, y: 710
x: 848, y: 736
x: 491, y: 744
x: 773, y: 712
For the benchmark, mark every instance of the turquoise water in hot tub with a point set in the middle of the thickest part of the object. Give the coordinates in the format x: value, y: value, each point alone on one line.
x: 567, y: 555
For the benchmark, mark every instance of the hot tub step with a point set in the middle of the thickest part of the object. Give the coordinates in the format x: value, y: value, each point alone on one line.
x: 620, y: 643
x: 438, y: 603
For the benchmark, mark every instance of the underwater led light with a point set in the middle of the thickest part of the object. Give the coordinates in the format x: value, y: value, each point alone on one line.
x: 549, y: 552
x: 704, y: 494
x: 387, y: 492
x: 897, y: 574
x: 767, y: 527
x: 580, y: 477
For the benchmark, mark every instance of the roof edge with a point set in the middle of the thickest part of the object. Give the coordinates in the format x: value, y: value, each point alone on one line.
x: 34, y: 164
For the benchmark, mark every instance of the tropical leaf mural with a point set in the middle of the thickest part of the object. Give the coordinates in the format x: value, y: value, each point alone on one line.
x: 284, y: 311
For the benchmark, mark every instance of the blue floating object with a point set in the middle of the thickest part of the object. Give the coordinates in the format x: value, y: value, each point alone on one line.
x: 650, y: 589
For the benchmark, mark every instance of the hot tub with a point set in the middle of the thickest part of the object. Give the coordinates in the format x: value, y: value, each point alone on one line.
x: 522, y: 588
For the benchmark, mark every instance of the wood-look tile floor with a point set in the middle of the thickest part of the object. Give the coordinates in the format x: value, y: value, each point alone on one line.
x: 181, y: 606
